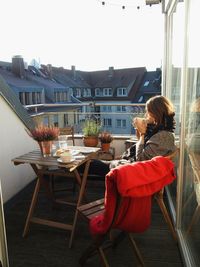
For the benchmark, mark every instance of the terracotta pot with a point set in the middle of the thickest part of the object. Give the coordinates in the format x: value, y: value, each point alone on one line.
x: 91, y: 141
x: 45, y: 147
x: 105, y: 146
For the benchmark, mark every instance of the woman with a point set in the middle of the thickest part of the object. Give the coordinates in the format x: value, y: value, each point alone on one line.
x: 155, y: 136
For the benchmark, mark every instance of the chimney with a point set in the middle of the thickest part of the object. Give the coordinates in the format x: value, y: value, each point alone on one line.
x: 18, y: 67
x: 111, y: 72
x: 73, y: 72
x: 49, y: 70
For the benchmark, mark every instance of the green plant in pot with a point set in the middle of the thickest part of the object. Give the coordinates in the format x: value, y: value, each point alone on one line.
x: 91, y: 129
x: 105, y: 139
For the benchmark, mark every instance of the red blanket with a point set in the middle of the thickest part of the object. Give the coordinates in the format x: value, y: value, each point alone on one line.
x: 136, y: 183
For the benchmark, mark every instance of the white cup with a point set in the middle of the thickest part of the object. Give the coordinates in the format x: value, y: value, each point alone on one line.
x: 66, y: 156
x: 139, y: 122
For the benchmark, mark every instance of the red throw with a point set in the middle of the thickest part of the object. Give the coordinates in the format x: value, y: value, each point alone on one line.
x: 136, y: 183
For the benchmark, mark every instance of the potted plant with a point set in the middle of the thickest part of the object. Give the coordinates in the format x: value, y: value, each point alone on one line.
x: 105, y: 139
x: 91, y: 129
x: 44, y: 135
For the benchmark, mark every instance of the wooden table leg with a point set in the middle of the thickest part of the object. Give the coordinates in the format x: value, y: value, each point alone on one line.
x: 32, y: 206
x: 80, y: 197
x: 40, y: 180
x: 39, y: 173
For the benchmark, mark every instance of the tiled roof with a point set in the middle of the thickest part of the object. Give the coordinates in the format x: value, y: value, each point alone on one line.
x: 116, y: 77
x: 52, y: 78
x: 69, y: 78
x: 12, y: 79
x: 11, y: 98
x: 47, y: 83
x: 152, y: 80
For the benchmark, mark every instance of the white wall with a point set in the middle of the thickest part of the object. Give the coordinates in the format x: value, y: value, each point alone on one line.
x: 14, y: 141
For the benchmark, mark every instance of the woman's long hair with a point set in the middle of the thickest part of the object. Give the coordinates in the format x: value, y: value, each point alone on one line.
x: 162, y: 110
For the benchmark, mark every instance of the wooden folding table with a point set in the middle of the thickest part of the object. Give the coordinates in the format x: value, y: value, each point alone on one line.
x: 40, y: 165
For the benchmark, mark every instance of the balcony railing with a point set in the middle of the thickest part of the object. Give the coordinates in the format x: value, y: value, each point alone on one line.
x: 115, y: 118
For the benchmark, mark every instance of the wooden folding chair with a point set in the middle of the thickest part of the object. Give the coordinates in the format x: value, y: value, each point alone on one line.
x: 159, y: 198
x: 100, y: 242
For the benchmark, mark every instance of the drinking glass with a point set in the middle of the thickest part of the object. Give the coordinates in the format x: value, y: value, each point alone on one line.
x: 55, y: 147
x: 62, y: 139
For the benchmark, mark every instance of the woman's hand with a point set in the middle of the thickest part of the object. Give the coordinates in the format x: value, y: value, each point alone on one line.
x: 140, y: 125
x: 137, y: 134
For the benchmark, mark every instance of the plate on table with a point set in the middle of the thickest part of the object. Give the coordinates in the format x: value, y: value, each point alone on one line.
x: 60, y: 151
x: 87, y: 151
x: 65, y: 162
x: 79, y: 157
x: 75, y: 152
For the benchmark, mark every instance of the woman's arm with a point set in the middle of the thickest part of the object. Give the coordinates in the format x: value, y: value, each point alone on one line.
x: 160, y: 144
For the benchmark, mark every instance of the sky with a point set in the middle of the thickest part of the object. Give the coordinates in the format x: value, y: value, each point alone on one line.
x: 83, y: 33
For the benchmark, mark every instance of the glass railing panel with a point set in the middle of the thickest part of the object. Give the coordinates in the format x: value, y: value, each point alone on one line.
x: 114, y: 118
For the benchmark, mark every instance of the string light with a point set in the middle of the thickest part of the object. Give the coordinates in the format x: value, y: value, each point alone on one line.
x: 124, y: 4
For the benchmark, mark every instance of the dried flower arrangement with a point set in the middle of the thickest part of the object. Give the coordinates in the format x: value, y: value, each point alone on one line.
x: 44, y: 133
x: 105, y: 137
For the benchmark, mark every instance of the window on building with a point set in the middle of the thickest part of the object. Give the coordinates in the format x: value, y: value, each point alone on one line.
x: 87, y: 92
x: 107, y: 122
x: 34, y: 97
x: 64, y: 96
x: 66, y: 120
x: 97, y: 92
x: 140, y: 99
x: 55, y: 120
x: 122, y: 91
x: 120, y: 108
x: 121, y: 123
x: 78, y: 92
x: 61, y: 96
x: 107, y: 108
x: 107, y: 91
x: 21, y: 98
x: 57, y: 97
x: 27, y: 98
x: 39, y: 97
x: 146, y: 83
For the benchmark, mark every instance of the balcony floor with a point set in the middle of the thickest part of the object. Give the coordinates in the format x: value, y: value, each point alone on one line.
x: 48, y: 247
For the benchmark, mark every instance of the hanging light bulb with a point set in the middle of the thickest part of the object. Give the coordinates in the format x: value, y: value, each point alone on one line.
x: 103, y: 3
x: 123, y: 7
